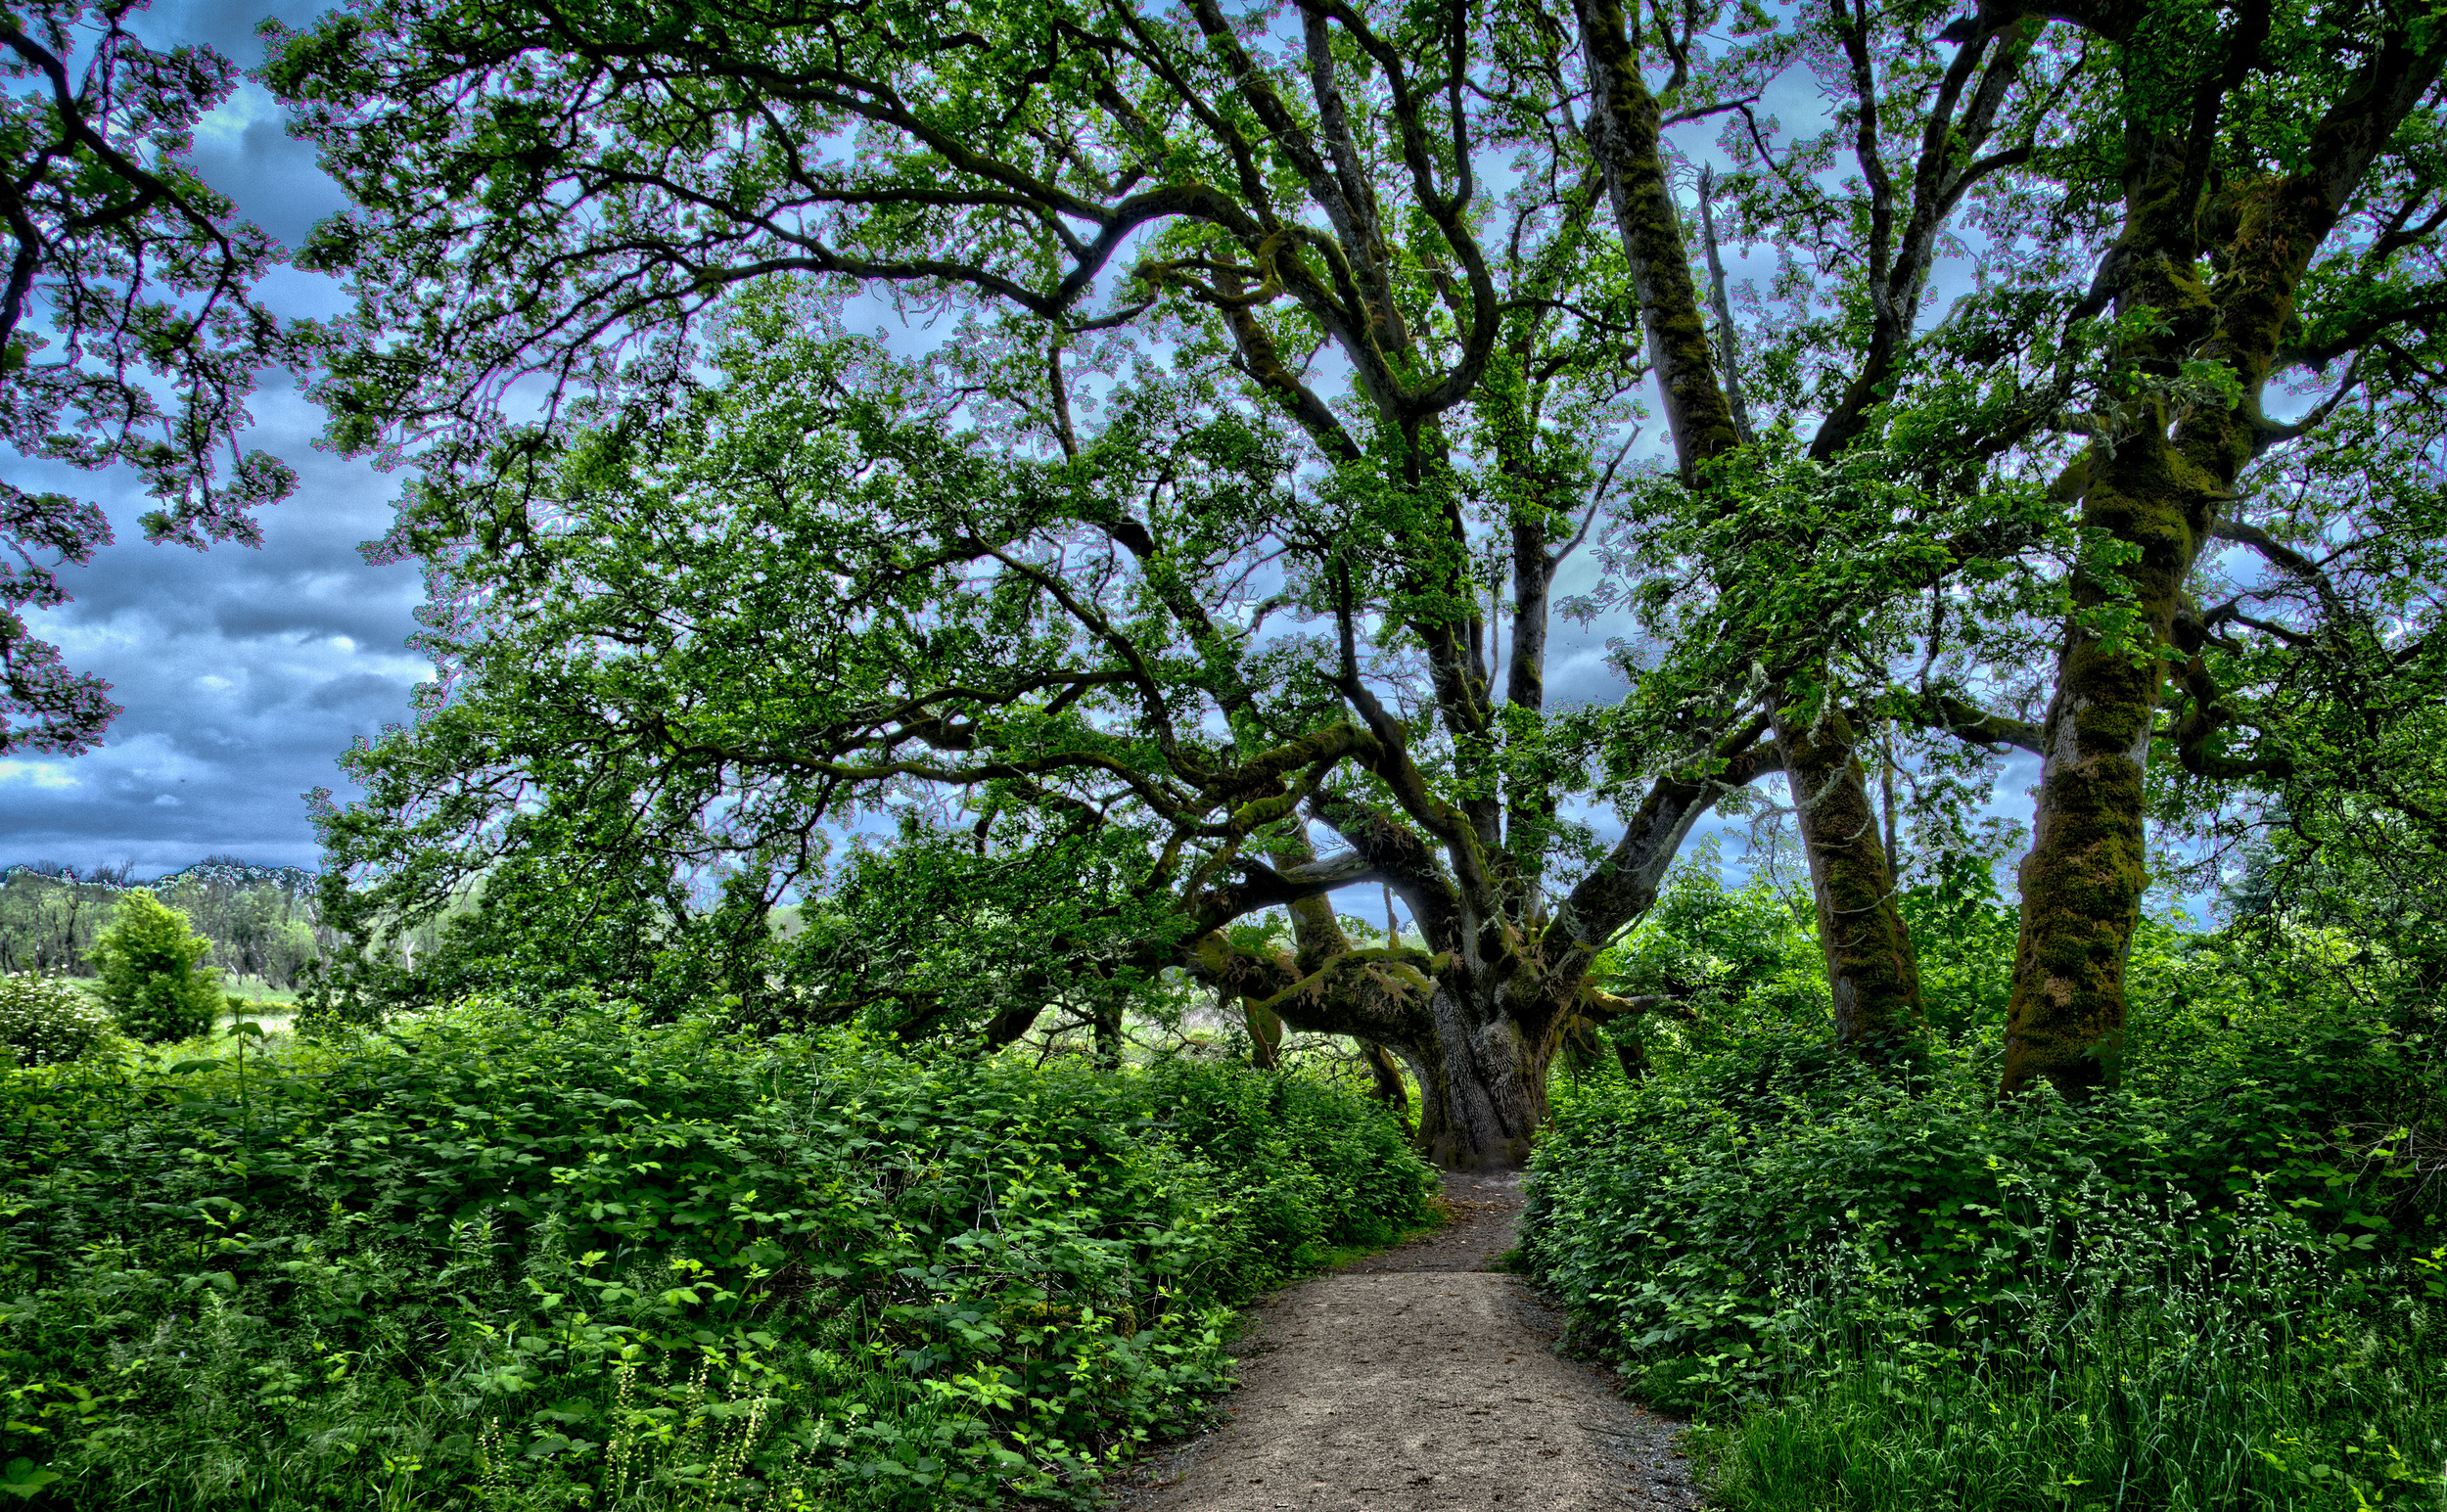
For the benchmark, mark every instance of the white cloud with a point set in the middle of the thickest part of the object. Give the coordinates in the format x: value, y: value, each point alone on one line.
x: 36, y: 774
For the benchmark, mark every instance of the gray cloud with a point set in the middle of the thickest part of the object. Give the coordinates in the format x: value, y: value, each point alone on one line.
x: 244, y: 673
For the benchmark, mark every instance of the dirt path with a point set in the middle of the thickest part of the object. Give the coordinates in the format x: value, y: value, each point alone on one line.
x: 1419, y: 1381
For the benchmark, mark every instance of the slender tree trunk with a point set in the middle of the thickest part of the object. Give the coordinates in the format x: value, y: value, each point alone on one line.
x: 1386, y: 1074
x: 1870, y: 969
x: 1623, y: 129
x: 1871, y: 973
x: 1266, y: 1036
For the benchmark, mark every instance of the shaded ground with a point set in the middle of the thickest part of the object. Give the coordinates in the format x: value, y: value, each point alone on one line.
x: 1417, y: 1379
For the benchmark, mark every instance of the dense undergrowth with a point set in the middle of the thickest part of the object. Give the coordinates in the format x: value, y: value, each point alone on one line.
x: 486, y: 1264
x: 2218, y: 1287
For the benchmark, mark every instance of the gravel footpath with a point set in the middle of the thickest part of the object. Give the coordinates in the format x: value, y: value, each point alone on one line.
x: 1417, y: 1379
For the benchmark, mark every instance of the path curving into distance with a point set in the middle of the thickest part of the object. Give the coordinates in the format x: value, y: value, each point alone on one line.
x: 1417, y: 1379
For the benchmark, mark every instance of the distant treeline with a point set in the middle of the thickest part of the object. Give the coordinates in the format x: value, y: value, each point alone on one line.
x: 261, y: 920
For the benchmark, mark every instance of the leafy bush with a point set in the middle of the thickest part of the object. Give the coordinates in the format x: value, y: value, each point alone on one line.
x: 153, y: 975
x: 1885, y: 1289
x: 44, y: 1020
x: 495, y: 1263
x: 2139, y: 1379
x: 1667, y: 1211
x: 1295, y: 1169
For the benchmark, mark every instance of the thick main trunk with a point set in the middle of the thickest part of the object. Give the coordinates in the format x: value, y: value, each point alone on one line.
x: 2081, y: 881
x: 1872, y: 973
x: 1482, y: 1086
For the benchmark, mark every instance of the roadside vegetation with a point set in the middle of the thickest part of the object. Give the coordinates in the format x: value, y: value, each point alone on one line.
x: 2222, y: 1284
x: 482, y: 1260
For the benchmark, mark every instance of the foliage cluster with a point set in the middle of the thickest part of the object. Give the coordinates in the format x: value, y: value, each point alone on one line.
x: 44, y: 1020
x: 487, y: 1261
x: 153, y: 978
x: 130, y: 330
x: 2203, y: 1288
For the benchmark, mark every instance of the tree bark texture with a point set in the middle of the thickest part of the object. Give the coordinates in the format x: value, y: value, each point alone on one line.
x: 1265, y: 1037
x: 1489, y: 1097
x: 1872, y: 977
x: 1624, y: 129
x: 1385, y: 1076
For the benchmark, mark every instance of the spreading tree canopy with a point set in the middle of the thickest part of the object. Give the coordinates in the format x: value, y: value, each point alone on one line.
x: 1210, y: 563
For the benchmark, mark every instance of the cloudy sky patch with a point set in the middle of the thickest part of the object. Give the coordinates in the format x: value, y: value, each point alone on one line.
x: 243, y: 674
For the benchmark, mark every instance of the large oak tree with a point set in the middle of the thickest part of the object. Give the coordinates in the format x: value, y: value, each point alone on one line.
x: 1294, y: 354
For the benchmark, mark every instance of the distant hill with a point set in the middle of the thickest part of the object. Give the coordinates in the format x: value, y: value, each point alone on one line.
x: 223, y: 870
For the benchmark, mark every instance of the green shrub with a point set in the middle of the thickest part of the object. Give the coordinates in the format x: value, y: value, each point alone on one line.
x: 489, y: 1262
x: 1666, y: 1212
x: 2218, y: 1286
x: 153, y: 975
x: 2192, y: 1388
x: 44, y: 1020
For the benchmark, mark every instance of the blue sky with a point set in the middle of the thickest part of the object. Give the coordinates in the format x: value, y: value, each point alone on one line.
x: 243, y: 672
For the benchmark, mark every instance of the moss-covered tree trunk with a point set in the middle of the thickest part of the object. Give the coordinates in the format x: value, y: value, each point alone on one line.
x: 1265, y: 1037
x: 2081, y: 881
x: 1872, y: 977
x: 1624, y: 128
x: 1872, y: 971
x: 2155, y: 490
x: 1385, y: 1078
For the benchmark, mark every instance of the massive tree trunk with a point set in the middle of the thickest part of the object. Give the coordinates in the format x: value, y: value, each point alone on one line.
x: 1480, y: 1073
x: 1483, y: 1093
x: 1481, y: 1013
